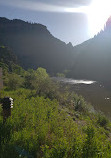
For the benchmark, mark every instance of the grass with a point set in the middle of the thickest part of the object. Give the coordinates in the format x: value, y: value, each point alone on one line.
x: 43, y: 128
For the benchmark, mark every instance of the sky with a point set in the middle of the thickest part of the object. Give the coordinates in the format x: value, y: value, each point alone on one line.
x: 72, y: 21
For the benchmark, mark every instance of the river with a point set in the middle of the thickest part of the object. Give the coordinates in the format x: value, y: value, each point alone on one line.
x: 96, y: 93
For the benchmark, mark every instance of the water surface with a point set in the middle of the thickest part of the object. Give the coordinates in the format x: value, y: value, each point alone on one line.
x: 98, y: 94
x: 72, y: 81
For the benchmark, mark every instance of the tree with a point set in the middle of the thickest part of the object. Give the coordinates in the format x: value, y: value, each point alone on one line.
x: 14, y: 81
x: 36, y: 79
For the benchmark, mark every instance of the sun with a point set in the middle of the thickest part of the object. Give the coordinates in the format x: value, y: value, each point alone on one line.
x: 98, y: 13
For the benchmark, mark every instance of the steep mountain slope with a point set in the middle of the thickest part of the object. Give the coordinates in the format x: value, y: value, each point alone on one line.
x: 7, y: 58
x: 94, y: 57
x: 35, y: 46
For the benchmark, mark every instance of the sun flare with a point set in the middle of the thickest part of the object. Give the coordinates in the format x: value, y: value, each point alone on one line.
x: 98, y: 13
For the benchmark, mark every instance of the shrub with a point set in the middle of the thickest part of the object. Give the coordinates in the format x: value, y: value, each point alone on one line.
x: 102, y: 120
x: 14, y: 81
x: 90, y: 145
x: 79, y: 103
x: 60, y: 75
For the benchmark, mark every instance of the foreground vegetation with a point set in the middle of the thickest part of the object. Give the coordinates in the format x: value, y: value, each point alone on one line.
x: 48, y: 121
x: 43, y: 128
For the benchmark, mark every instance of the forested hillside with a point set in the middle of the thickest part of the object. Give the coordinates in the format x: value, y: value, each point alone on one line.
x: 35, y: 46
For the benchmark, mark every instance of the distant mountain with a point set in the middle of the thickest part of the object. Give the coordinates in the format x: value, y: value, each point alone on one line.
x: 35, y: 46
x: 93, y: 60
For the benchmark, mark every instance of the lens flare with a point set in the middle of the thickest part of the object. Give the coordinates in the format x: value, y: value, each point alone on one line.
x: 82, y: 9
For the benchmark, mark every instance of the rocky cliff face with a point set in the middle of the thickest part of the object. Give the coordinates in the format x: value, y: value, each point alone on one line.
x: 108, y: 24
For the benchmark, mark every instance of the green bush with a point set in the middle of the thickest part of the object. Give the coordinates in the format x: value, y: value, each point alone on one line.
x: 60, y: 75
x: 79, y: 104
x: 102, y: 120
x: 90, y: 146
x: 13, y: 81
x: 42, y: 124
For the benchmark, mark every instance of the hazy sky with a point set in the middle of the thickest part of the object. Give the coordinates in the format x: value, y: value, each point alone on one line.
x: 65, y: 19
